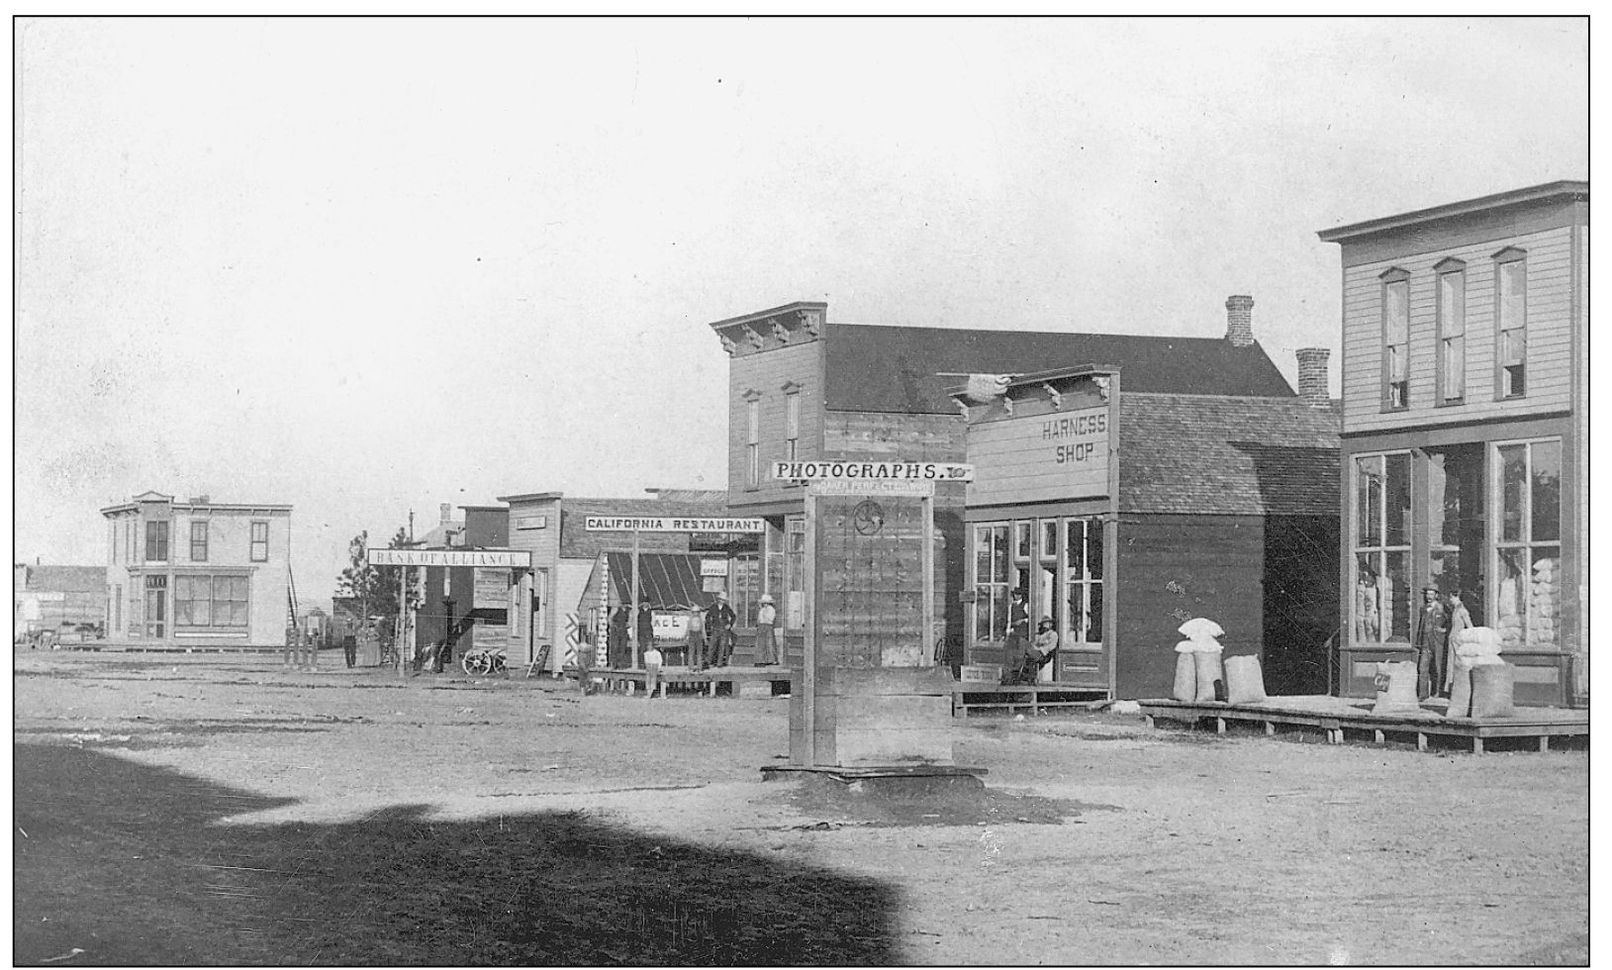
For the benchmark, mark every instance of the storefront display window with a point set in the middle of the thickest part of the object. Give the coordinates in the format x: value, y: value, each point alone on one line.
x: 1382, y: 537
x: 746, y: 569
x: 1528, y: 554
x: 1082, y: 622
x: 990, y: 569
x: 795, y: 569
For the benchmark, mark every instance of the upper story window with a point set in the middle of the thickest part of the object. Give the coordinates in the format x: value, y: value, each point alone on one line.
x: 752, y: 441
x: 156, y: 542
x: 198, y: 541
x: 1511, y: 321
x: 1396, y: 339
x: 1451, y: 331
x: 791, y: 424
x: 260, y: 542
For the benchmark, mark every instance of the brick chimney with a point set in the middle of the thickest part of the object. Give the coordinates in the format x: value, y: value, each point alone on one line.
x: 1313, y: 375
x: 1240, y: 320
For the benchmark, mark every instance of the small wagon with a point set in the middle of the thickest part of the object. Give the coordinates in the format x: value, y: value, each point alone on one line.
x: 482, y: 661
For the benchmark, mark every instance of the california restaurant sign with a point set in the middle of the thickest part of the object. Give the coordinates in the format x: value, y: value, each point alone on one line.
x: 489, y: 558
x: 670, y: 523
x: 1039, y: 458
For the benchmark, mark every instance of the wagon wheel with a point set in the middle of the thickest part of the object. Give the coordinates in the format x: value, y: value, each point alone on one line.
x: 498, y: 666
x: 476, y: 663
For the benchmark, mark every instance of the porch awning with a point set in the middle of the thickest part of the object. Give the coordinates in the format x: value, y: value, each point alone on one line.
x: 666, y: 580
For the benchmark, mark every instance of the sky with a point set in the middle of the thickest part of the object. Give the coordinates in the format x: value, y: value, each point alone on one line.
x: 367, y: 266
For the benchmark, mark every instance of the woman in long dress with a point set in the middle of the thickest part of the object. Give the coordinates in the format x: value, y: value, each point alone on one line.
x: 766, y: 636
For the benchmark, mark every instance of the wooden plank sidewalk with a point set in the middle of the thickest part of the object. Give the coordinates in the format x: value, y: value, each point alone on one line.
x: 1336, y: 715
x: 1032, y: 697
x: 631, y: 680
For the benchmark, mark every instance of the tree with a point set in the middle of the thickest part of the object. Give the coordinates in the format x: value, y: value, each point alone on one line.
x: 375, y: 587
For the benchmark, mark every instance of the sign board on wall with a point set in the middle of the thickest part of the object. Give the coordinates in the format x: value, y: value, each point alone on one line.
x: 889, y: 471
x: 670, y: 523
x: 713, y: 567
x: 1042, y: 457
x: 491, y: 589
x: 449, y: 557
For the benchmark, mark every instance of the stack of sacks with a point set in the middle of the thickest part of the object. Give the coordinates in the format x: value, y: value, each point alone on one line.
x: 1201, y: 651
x: 1245, y: 684
x: 1396, y: 688
x: 1544, y: 602
x: 1477, y: 646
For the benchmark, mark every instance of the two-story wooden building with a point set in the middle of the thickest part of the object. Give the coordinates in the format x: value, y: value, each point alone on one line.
x: 803, y: 388
x: 1465, y: 429
x: 197, y: 572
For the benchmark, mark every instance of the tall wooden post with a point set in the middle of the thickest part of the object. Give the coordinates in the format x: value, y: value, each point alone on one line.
x: 926, y: 560
x: 401, y: 627
x: 632, y: 614
x: 808, y: 663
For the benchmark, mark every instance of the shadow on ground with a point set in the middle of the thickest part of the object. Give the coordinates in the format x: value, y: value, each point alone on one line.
x: 131, y: 864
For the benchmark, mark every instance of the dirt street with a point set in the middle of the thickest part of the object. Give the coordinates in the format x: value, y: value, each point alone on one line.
x: 207, y: 809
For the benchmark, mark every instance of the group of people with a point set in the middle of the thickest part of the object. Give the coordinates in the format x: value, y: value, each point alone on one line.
x: 711, y: 640
x: 1027, y: 655
x: 1443, y: 616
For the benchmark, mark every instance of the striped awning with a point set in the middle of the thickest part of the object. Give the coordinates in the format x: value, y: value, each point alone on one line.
x: 666, y: 580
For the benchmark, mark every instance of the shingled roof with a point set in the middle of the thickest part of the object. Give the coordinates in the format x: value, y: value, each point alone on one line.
x: 1200, y: 454
x: 894, y: 369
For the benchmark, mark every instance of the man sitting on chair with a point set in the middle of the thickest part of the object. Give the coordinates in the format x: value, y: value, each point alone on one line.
x: 1037, y: 654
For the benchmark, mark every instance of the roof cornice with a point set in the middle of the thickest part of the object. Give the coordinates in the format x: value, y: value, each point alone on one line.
x: 1565, y: 189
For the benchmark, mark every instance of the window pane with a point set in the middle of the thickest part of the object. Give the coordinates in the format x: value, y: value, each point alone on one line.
x: 1094, y: 614
x: 1454, y: 368
x: 1545, y: 505
x: 999, y: 611
x: 1094, y: 548
x: 1394, y: 596
x: 1513, y: 470
x: 1396, y: 320
x: 1513, y: 312
x: 982, y: 612
x: 1021, y: 540
x: 1049, y: 539
x: 1452, y: 304
x: 1075, y: 542
x: 1398, y: 364
x: 1367, y: 610
x: 1369, y: 500
x: 982, y: 554
x: 999, y: 554
x: 1398, y: 498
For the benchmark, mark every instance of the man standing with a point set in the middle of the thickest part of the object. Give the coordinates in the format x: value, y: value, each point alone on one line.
x: 1430, y: 636
x: 718, y: 632
x: 646, y: 630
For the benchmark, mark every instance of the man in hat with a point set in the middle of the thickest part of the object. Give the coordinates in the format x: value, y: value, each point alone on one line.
x: 1018, y: 625
x: 1430, y: 635
x: 719, y: 619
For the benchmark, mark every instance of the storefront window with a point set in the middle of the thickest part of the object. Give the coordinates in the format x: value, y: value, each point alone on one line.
x: 1382, y: 531
x: 795, y: 569
x: 1083, y: 601
x: 1528, y: 581
x: 746, y: 569
x: 990, y: 569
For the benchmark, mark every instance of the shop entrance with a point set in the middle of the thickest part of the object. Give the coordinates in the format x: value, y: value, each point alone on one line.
x: 156, y: 623
x: 1058, y: 562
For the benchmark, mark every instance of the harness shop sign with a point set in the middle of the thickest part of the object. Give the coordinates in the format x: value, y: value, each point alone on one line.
x: 1043, y: 457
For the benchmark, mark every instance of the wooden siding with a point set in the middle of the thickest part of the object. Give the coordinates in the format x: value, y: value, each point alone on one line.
x: 1550, y: 357
x: 767, y: 373
x: 544, y: 545
x: 1171, y: 568
x: 1019, y: 460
